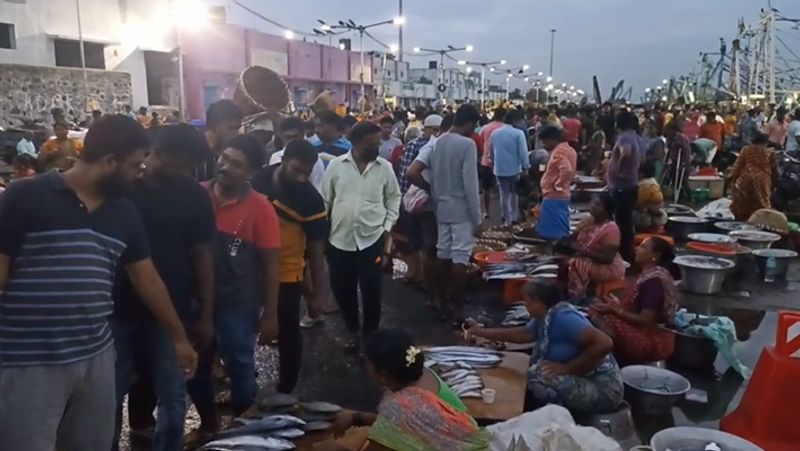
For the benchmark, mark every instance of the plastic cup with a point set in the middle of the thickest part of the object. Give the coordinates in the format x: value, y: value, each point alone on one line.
x: 488, y: 395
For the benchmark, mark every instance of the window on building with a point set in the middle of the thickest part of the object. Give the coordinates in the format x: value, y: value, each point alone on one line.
x: 8, y: 37
x: 402, y: 74
x: 68, y: 54
x: 388, y: 73
x: 162, y: 79
x: 376, y: 71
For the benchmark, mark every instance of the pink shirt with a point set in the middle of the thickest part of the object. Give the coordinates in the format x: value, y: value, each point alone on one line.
x: 557, y: 179
x: 776, y: 130
x: 486, y: 133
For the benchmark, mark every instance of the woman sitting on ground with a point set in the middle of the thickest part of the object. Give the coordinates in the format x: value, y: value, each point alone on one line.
x: 419, y: 411
x: 635, y: 322
x: 649, y: 215
x: 596, y: 246
x: 571, y: 363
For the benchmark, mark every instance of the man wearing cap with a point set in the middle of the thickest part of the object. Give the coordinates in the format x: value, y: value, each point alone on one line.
x: 421, y: 224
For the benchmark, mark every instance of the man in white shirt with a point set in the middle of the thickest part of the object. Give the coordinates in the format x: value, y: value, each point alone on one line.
x: 388, y: 142
x: 362, y: 198
x: 291, y: 129
x: 793, y: 134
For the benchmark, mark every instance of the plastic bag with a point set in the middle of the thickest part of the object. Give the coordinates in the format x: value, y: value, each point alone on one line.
x: 415, y: 200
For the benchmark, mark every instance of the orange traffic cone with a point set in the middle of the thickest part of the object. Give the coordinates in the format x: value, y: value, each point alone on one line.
x: 770, y: 407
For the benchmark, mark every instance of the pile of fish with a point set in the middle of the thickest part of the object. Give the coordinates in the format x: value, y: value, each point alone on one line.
x: 529, y: 266
x: 466, y: 355
x: 462, y: 379
x: 268, y: 433
x: 285, y: 419
x: 517, y: 315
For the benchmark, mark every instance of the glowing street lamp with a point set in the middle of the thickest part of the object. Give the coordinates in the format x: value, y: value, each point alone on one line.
x: 469, y: 48
x: 417, y: 49
x: 548, y: 79
x: 399, y: 20
x: 394, y: 48
x: 289, y: 34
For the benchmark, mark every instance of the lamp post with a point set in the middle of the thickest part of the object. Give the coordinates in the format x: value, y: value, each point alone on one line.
x: 349, y: 25
x: 552, y: 47
x: 511, y: 72
x: 442, y: 53
x: 186, y: 15
x: 484, y: 65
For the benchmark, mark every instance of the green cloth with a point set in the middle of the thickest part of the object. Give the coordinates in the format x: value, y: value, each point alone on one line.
x: 447, y: 395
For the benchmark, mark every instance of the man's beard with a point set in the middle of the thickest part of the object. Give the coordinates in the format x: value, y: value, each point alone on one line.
x: 371, y: 154
x: 113, y: 186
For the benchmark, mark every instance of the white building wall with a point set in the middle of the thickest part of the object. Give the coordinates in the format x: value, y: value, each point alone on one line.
x: 127, y: 27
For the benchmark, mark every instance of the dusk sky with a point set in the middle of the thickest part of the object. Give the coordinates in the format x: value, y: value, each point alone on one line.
x: 641, y: 41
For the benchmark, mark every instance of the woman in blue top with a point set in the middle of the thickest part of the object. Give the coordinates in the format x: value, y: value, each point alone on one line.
x: 571, y: 363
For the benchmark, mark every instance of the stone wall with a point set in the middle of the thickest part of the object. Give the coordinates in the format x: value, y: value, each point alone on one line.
x: 31, y: 92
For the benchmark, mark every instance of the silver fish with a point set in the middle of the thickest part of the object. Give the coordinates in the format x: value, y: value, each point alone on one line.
x: 320, y: 407
x: 278, y: 400
x: 290, y: 433
x: 262, y: 425
x: 266, y: 443
x: 470, y: 349
x: 312, y: 426
x: 471, y: 394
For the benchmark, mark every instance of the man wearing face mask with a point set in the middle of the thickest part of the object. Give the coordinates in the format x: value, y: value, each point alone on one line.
x: 362, y: 199
x: 301, y: 212
x: 62, y: 237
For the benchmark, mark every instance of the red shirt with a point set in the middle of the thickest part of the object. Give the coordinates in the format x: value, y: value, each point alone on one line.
x: 486, y: 134
x: 478, y: 139
x: 572, y: 127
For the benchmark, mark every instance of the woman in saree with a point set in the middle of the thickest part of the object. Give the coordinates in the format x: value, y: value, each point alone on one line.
x: 419, y: 412
x: 635, y: 322
x: 571, y: 364
x: 752, y: 178
x: 596, y: 245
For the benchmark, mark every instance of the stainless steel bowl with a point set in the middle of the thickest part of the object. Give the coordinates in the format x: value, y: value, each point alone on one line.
x: 712, y: 238
x: 755, y: 239
x: 682, y: 226
x: 679, y: 438
x: 730, y: 226
x: 782, y: 259
x: 703, y: 274
x: 651, y: 390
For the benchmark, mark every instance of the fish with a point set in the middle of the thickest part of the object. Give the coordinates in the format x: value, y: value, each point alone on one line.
x: 471, y: 394
x: 249, y: 441
x: 261, y: 425
x: 320, y: 407
x: 289, y: 433
x: 313, y: 426
x: 278, y: 400
x: 544, y: 268
x: 467, y: 388
x: 468, y: 349
x: 315, y: 416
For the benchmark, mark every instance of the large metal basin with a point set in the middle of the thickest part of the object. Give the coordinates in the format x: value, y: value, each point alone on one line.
x: 782, y: 259
x: 681, y: 227
x: 731, y: 226
x: 680, y: 438
x: 703, y: 274
x: 755, y: 239
x: 651, y: 390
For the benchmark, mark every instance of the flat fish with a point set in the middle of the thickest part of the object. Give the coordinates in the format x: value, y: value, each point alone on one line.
x: 254, y: 441
x: 278, y: 400
x: 313, y: 426
x: 262, y: 425
x: 289, y: 433
x: 320, y: 407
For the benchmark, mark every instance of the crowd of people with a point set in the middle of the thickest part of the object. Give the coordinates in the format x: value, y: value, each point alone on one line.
x: 157, y: 249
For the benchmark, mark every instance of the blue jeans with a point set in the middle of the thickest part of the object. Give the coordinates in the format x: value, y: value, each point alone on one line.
x: 146, y: 339
x: 509, y: 201
x: 236, y: 330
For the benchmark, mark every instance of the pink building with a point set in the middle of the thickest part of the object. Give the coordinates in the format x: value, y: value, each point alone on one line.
x: 213, y: 60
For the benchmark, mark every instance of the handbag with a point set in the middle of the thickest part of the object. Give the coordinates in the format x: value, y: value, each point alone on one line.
x: 415, y: 200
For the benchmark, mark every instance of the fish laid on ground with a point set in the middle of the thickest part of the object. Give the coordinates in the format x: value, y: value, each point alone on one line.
x: 262, y: 425
x: 320, y: 407
x: 278, y: 400
x: 253, y: 441
x: 313, y: 426
x: 289, y: 433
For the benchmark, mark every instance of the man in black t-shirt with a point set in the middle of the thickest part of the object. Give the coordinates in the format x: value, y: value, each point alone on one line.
x: 179, y: 221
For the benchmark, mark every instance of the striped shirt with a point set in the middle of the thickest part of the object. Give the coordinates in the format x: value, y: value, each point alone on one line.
x: 57, y: 301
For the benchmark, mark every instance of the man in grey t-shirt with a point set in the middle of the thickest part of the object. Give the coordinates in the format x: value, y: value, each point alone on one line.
x: 453, y: 185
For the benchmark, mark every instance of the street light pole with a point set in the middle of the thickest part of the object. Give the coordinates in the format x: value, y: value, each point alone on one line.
x: 83, y: 58
x: 400, y: 32
x: 441, y: 76
x: 552, y: 47
x: 483, y: 86
x: 361, y: 76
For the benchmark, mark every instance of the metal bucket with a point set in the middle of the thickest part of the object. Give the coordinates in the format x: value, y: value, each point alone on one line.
x: 703, y: 274
x: 782, y: 259
x: 651, y: 390
x: 617, y: 425
x: 691, y: 438
x: 755, y: 239
x: 681, y: 227
x: 693, y: 352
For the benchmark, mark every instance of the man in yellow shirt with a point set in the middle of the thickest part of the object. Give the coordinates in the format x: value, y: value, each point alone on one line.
x: 59, y: 152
